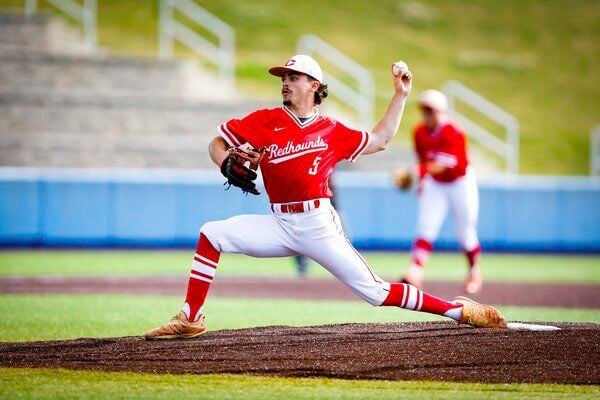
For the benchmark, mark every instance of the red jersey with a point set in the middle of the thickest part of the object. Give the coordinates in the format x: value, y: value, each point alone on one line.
x: 300, y: 156
x: 447, y: 145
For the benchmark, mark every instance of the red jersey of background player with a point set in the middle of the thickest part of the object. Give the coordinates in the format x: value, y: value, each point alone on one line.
x: 447, y: 145
x: 300, y: 156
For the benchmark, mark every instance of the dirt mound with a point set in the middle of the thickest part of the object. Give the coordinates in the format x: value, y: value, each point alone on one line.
x: 433, y: 351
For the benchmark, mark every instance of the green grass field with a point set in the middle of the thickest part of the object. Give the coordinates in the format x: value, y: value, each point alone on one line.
x: 539, y: 60
x: 47, y: 317
x: 442, y: 266
x: 64, y: 384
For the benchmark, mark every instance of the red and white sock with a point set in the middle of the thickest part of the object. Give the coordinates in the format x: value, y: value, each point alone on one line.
x: 473, y: 259
x: 420, y: 252
x: 409, y: 297
x: 204, y: 267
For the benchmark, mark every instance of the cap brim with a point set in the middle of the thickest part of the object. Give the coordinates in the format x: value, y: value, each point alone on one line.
x: 279, y: 71
x: 430, y: 105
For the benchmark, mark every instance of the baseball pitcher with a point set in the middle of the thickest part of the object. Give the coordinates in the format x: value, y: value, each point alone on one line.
x: 296, y: 149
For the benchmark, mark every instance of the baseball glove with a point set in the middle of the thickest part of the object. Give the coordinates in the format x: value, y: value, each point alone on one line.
x: 239, y: 167
x: 403, y: 179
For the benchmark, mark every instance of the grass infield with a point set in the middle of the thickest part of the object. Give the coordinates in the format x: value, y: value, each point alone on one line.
x: 442, y: 266
x: 64, y: 384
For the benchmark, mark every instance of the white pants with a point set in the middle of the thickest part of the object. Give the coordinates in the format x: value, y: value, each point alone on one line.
x: 317, y: 234
x: 461, y: 198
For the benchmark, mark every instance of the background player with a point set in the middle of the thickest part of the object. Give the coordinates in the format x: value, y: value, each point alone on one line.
x: 447, y: 183
x: 302, y: 148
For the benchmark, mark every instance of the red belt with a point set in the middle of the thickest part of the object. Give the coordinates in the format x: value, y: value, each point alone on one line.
x: 292, y: 208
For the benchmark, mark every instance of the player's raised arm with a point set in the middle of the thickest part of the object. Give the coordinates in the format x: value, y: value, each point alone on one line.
x: 387, y: 126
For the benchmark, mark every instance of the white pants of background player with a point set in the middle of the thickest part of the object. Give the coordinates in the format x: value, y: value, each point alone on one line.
x: 461, y: 198
x: 316, y: 233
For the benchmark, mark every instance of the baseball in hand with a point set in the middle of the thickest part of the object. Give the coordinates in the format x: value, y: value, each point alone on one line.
x: 399, y: 68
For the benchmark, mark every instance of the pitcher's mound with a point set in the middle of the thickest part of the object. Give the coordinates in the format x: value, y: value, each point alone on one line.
x: 433, y: 351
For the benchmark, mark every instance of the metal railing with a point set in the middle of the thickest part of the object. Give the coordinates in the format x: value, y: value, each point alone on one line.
x: 508, y: 148
x: 595, y: 151
x: 85, y: 13
x: 362, y: 100
x: 222, y: 55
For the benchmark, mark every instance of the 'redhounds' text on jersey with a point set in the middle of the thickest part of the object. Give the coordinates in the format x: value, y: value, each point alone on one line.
x: 300, y: 156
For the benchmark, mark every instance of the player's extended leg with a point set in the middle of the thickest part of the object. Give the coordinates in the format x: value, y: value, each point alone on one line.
x: 334, y: 252
x: 254, y: 235
x: 464, y: 207
x: 461, y: 309
x: 433, y: 208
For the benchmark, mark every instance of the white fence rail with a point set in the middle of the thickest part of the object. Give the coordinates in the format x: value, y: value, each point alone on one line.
x: 362, y: 100
x: 222, y: 55
x: 508, y: 148
x: 595, y: 151
x: 85, y: 13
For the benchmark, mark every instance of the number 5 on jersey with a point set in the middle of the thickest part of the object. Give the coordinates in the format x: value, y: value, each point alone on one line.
x: 313, y: 170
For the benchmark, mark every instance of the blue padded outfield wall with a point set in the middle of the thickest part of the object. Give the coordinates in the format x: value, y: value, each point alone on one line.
x: 152, y: 208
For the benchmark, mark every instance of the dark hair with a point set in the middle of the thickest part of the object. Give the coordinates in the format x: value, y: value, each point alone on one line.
x: 321, y: 92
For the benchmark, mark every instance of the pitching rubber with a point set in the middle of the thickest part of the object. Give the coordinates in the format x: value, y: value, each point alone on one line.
x: 518, y: 326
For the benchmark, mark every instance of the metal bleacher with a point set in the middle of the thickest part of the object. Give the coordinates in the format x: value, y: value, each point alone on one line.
x: 64, y: 107
x: 66, y: 104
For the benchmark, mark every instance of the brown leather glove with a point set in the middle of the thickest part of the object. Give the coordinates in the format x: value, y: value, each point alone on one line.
x: 240, y: 166
x: 403, y: 179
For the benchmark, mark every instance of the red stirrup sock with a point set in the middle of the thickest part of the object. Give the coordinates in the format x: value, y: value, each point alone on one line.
x: 204, y: 267
x: 409, y: 297
x: 473, y: 257
x: 420, y: 252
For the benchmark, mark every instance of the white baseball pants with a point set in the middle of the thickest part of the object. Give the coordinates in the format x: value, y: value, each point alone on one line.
x: 317, y: 234
x: 461, y: 198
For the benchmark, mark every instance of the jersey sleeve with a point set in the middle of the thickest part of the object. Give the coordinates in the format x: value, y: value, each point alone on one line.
x: 350, y: 143
x: 420, y: 149
x: 239, y: 131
